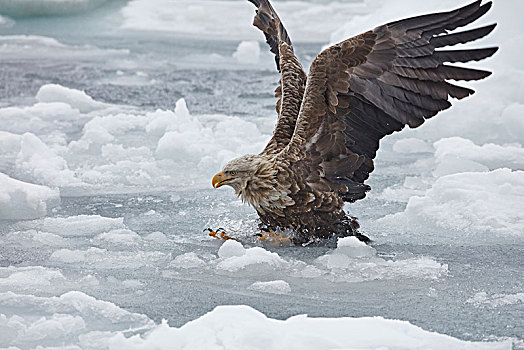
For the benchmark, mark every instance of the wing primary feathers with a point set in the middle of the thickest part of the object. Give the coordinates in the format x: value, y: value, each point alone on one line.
x: 267, y: 20
x: 441, y: 73
x: 379, y: 82
x: 426, y: 21
x: 440, y: 57
x: 293, y: 78
x: 461, y: 37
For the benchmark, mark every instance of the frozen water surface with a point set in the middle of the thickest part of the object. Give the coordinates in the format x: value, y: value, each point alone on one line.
x: 112, y: 122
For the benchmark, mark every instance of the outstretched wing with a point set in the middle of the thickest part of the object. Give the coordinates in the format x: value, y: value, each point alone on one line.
x: 290, y: 89
x: 367, y: 87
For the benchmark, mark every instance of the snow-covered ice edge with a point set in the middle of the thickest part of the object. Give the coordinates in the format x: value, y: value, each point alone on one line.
x: 242, y: 327
x: 83, y: 322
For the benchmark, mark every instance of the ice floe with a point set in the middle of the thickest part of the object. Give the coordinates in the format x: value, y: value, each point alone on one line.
x: 30, y: 8
x: 411, y: 145
x: 42, y: 164
x: 100, y: 258
x: 351, y: 261
x: 483, y: 299
x: 73, y: 226
x: 232, y: 19
x: 242, y: 327
x: 16, y: 47
x: 71, y: 320
x: 235, y: 257
x: 74, y: 98
x: 22, y: 200
x: 467, y: 204
x: 354, y: 261
x: 165, y: 142
x: 247, y: 52
x: 75, y: 320
x: 275, y: 287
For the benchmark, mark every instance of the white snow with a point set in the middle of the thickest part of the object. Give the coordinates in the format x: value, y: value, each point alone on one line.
x: 242, y: 327
x: 76, y: 320
x: 351, y: 261
x: 235, y: 257
x: 188, y: 261
x: 42, y: 165
x: 38, y: 47
x: 118, y: 239
x: 74, y: 98
x: 482, y: 299
x: 103, y: 157
x: 74, y: 307
x: 480, y: 204
x: 6, y: 22
x: 39, y: 118
x: 491, y: 155
x: 80, y: 225
x: 354, y: 261
x: 29, y: 8
x: 232, y: 19
x: 22, y: 200
x: 100, y: 258
x: 29, y: 277
x: 30, y: 238
x: 275, y: 287
x: 188, y: 139
x: 247, y: 52
x: 411, y: 145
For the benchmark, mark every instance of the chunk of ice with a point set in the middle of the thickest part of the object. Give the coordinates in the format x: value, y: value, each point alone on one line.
x: 21, y: 200
x: 75, y: 98
x: 484, y: 205
x: 482, y: 299
x: 76, y: 225
x: 411, y: 145
x: 275, y: 287
x: 247, y: 52
x: 247, y: 328
x: 235, y: 257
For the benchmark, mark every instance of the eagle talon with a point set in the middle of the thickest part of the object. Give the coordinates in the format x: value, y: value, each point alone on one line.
x: 219, y: 234
x: 271, y: 237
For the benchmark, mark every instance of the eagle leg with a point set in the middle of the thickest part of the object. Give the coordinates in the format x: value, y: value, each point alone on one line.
x: 268, y: 235
x: 219, y: 234
x: 349, y: 227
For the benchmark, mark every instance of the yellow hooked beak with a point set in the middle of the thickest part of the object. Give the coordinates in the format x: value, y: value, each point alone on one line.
x: 220, y: 179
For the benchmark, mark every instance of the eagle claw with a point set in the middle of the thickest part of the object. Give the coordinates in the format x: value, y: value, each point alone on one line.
x: 219, y: 234
x: 271, y: 237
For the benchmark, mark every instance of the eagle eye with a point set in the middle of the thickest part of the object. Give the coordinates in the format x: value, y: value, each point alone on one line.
x: 233, y: 173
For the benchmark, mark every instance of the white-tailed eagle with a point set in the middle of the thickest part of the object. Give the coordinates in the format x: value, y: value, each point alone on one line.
x: 330, y: 121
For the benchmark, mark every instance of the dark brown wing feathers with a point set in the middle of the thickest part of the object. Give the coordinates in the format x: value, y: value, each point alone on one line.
x: 267, y: 20
x: 369, y: 86
x: 293, y: 78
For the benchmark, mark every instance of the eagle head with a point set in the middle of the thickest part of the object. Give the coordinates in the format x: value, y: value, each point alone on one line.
x: 237, y: 173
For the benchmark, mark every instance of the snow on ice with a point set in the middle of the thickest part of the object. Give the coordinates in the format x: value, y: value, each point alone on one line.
x: 275, y: 287
x: 482, y: 299
x: 206, y: 18
x: 169, y: 139
x: 29, y: 8
x: 242, y: 327
x: 74, y: 98
x: 38, y: 47
x: 21, y: 200
x: 247, y: 52
x: 485, y: 203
